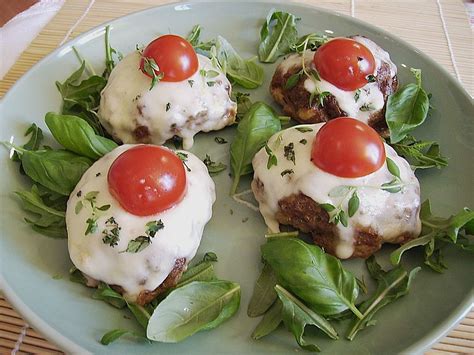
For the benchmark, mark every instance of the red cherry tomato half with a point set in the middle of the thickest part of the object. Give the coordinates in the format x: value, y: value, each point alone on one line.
x: 345, y: 63
x: 147, y: 179
x: 174, y: 56
x: 348, y: 148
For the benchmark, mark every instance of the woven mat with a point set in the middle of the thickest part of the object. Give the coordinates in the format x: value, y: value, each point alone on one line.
x: 440, y: 28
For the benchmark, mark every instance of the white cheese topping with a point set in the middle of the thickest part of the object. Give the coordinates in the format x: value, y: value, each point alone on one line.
x: 387, y: 214
x: 359, y: 104
x: 146, y: 269
x: 171, y: 108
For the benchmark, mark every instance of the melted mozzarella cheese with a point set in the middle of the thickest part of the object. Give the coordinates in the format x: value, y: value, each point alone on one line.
x: 146, y: 269
x: 171, y: 108
x: 359, y: 104
x: 387, y: 214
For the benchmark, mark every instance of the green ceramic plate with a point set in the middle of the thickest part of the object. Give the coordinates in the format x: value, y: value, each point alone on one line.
x: 65, y: 313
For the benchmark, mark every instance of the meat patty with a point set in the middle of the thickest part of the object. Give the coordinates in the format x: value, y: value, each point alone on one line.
x: 295, y: 101
x: 147, y: 296
x: 302, y: 213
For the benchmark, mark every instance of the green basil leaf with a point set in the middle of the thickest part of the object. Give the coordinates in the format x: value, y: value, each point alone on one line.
x: 436, y: 230
x: 325, y: 286
x: 246, y: 73
x: 253, y: 131
x: 201, y: 272
x: 420, y: 154
x: 270, y: 321
x: 58, y: 170
x: 391, y: 285
x: 264, y: 294
x: 194, y: 307
x: 277, y: 36
x: 296, y: 316
x: 406, y: 109
x: 76, y: 135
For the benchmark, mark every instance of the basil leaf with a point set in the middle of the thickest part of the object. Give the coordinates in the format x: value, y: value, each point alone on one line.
x: 264, y: 294
x: 58, y: 170
x: 391, y: 285
x: 243, y: 103
x: 82, y: 98
x: 420, y: 154
x: 406, y: 109
x: 253, y: 131
x: 277, y: 36
x: 270, y: 321
x: 201, y: 272
x: 76, y: 135
x: 436, y: 232
x: 325, y: 286
x: 194, y: 307
x: 296, y: 316
x: 246, y: 73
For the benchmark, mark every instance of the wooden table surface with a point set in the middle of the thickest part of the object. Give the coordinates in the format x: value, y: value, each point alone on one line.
x: 440, y: 28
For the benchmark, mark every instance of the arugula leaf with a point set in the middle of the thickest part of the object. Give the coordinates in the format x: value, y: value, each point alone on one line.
x: 325, y: 286
x: 58, y: 170
x: 420, y: 154
x: 193, y: 36
x: 264, y: 294
x: 75, y: 275
x: 105, y: 293
x: 253, y: 131
x: 36, y: 137
x: 109, y: 54
x: 76, y: 135
x: 436, y: 233
x: 311, y: 41
x: 407, y: 109
x: 140, y: 313
x: 194, y: 307
x: 48, y: 221
x: 391, y: 285
x: 113, y: 335
x: 82, y: 98
x: 244, y: 72
x: 270, y: 321
x: 277, y: 36
x: 296, y: 316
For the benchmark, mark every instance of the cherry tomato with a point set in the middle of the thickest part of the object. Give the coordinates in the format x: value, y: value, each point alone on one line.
x: 345, y: 63
x: 147, y: 179
x: 174, y: 56
x: 348, y: 148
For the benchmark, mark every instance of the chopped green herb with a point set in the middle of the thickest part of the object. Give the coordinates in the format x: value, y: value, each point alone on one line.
x: 303, y: 141
x: 272, y: 159
x: 152, y: 69
x: 289, y: 152
x: 111, y: 232
x: 213, y: 167
x: 191, y: 83
x: 371, y: 78
x: 286, y: 172
x: 366, y: 107
x: 168, y: 106
x: 304, y: 129
x: 357, y: 95
x: 210, y: 83
x: 184, y: 159
x: 220, y: 140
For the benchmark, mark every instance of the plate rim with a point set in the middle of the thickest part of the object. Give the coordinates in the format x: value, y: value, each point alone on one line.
x: 69, y: 345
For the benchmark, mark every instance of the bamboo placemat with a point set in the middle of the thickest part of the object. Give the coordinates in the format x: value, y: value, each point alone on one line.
x: 440, y: 28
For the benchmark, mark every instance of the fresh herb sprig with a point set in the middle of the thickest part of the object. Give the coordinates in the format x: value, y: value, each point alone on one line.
x: 143, y: 241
